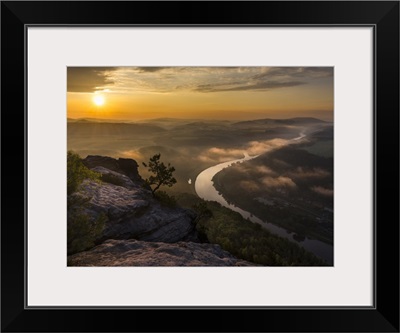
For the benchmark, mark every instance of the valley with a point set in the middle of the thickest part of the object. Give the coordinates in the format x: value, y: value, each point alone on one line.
x: 284, y: 179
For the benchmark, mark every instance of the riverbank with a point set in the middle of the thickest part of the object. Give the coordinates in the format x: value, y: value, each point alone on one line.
x: 205, y: 189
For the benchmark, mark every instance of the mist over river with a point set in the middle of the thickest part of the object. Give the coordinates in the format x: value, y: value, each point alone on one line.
x: 205, y: 189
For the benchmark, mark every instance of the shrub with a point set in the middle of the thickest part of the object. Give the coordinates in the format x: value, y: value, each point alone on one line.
x: 82, y: 231
x: 165, y: 199
x: 77, y: 172
x: 244, y: 239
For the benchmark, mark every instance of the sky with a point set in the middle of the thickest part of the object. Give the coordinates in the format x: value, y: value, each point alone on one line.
x: 234, y: 93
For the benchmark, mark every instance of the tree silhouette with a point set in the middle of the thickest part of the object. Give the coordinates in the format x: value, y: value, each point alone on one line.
x: 162, y: 174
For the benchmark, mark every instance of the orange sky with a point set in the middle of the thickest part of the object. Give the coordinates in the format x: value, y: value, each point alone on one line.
x: 134, y: 93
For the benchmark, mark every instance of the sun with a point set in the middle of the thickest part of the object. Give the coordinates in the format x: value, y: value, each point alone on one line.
x: 98, y: 100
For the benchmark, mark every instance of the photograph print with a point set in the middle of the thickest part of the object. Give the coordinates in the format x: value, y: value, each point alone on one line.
x: 200, y: 166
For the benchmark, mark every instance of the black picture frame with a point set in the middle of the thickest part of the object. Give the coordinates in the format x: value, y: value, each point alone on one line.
x: 383, y: 16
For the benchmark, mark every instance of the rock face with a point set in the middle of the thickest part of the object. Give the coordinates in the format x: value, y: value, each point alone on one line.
x: 137, y: 253
x: 139, y: 230
x: 130, y: 209
x: 125, y: 166
x: 117, y: 178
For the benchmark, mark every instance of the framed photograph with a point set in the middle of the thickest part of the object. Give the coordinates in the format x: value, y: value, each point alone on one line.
x: 233, y: 163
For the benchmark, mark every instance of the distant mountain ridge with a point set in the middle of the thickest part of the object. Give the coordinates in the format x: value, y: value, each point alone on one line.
x: 194, y: 121
x: 289, y: 121
x: 94, y: 128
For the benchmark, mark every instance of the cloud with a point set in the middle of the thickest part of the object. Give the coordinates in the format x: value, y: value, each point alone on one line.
x: 215, y: 154
x: 324, y: 191
x: 88, y: 79
x: 131, y: 154
x: 240, y: 86
x: 196, y: 79
x: 280, y: 163
x: 211, y: 69
x: 261, y: 147
x: 225, y: 152
x: 267, y: 183
x: 295, y: 72
x: 249, y: 186
x: 281, y: 181
x: 261, y: 169
x: 265, y: 78
x: 252, y: 148
x: 206, y: 159
x: 310, y: 173
x: 149, y: 69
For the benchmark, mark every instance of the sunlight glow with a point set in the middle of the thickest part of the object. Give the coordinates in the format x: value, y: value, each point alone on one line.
x: 98, y: 100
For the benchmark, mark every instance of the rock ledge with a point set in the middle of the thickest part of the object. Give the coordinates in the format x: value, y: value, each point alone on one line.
x: 138, y: 253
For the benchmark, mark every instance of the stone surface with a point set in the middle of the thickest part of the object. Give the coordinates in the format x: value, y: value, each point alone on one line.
x: 125, y: 166
x: 138, y: 253
x: 132, y: 212
x: 122, y: 179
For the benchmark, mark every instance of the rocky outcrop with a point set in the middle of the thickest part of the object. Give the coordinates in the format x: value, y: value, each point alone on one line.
x: 137, y: 253
x: 131, y: 211
x: 138, y: 230
x: 116, y: 178
x: 125, y: 166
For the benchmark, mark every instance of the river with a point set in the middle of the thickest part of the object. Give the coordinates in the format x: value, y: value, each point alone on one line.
x: 205, y: 189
